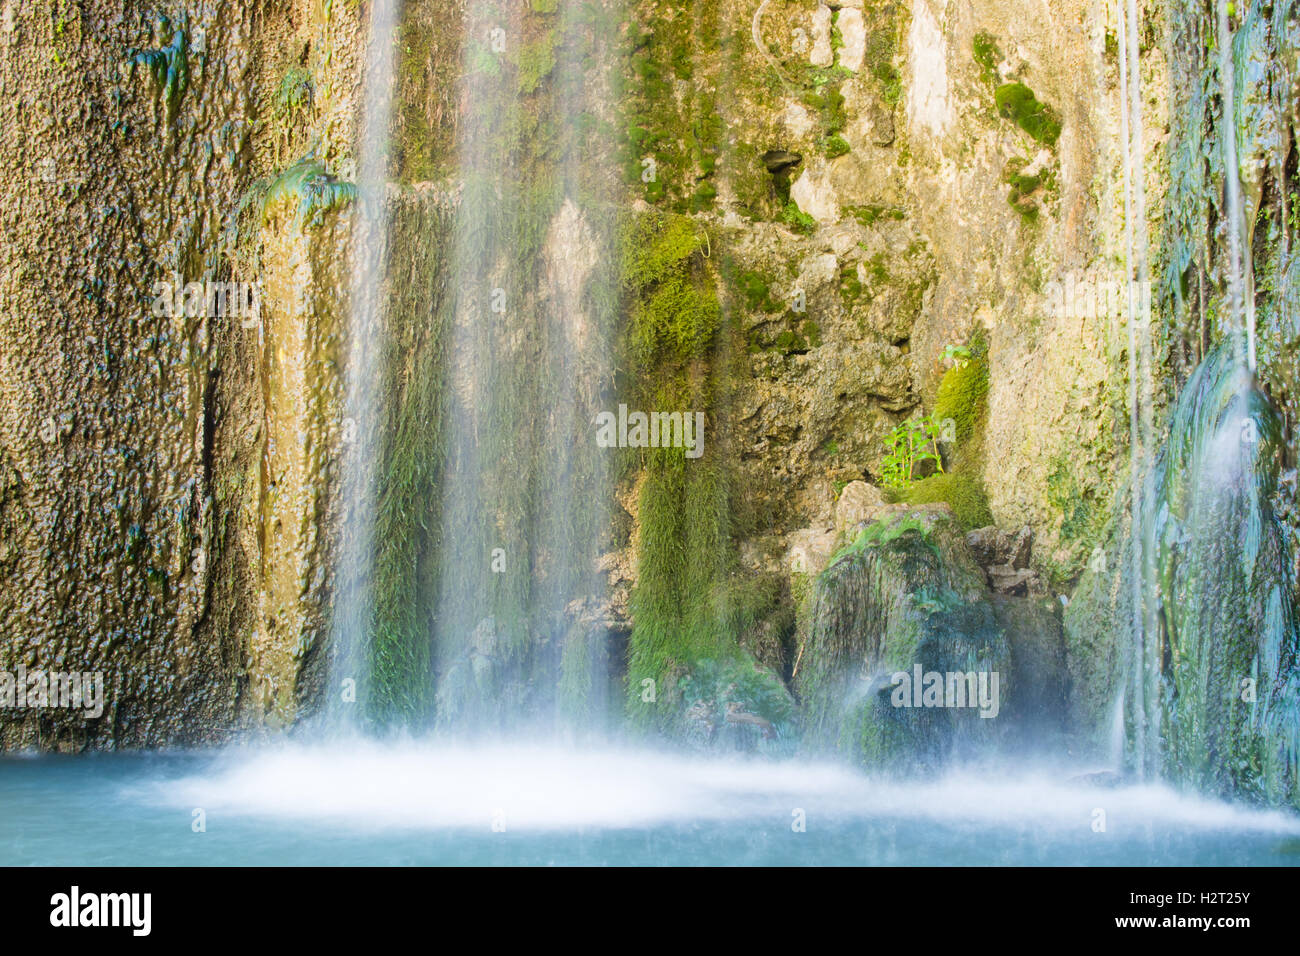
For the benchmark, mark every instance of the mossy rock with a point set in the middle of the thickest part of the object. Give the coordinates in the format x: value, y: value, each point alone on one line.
x: 1018, y: 103
x: 907, y: 591
x: 737, y: 705
x: 1231, y: 725
x: 964, y: 494
x: 675, y: 308
x: 963, y: 394
x: 988, y: 55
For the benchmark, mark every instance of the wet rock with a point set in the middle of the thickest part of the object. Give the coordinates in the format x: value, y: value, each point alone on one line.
x: 1005, y: 579
x: 906, y: 594
x: 808, y: 550
x: 737, y: 707
x: 993, y: 546
x: 1036, y: 705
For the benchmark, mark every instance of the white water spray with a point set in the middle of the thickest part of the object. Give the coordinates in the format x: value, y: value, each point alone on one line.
x: 365, y: 337
x: 1144, y: 662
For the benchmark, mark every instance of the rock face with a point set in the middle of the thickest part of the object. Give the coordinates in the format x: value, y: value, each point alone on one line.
x: 134, y: 531
x: 856, y: 505
x: 992, y: 546
x: 1005, y: 558
x: 863, y: 203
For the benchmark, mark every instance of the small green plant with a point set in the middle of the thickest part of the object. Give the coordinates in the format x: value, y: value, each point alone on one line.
x: 911, y: 443
x: 957, y: 356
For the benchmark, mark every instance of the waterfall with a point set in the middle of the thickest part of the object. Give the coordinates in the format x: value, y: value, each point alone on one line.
x: 1212, y: 673
x: 517, y: 636
x: 1241, y: 302
x: 1144, y: 660
x: 364, y: 346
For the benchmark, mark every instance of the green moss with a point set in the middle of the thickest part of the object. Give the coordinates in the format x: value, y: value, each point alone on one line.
x: 536, y: 61
x: 1025, y: 189
x: 412, y: 450
x: 964, y: 494
x: 690, y: 605
x: 834, y: 146
x: 881, y: 533
x: 1017, y: 102
x: 683, y: 548
x: 812, y: 333
x: 882, y: 44
x: 871, y: 214
x: 1083, y: 519
x: 682, y: 134
x: 703, y: 197
x: 675, y: 311
x: 797, y: 219
x: 878, y: 270
x: 850, y: 284
x: 757, y: 291
x: 963, y: 393
x: 988, y: 56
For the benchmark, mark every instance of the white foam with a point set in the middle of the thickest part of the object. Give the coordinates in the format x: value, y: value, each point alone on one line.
x: 424, y: 785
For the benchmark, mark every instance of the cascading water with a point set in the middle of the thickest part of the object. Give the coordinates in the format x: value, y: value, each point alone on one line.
x: 1213, y: 626
x: 365, y: 336
x: 1142, y: 700
x: 525, y: 490
x: 490, y: 302
x: 1241, y: 304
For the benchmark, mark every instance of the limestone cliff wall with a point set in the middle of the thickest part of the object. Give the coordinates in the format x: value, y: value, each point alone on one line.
x: 139, y: 449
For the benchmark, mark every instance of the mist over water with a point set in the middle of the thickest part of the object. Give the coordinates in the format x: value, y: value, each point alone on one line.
x: 425, y: 785
x: 364, y: 802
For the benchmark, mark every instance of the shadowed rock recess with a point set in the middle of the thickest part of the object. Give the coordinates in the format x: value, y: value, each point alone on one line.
x: 936, y: 338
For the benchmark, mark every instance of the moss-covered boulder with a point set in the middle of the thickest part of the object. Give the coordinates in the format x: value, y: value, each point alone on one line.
x: 906, y: 597
x: 1229, y: 642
